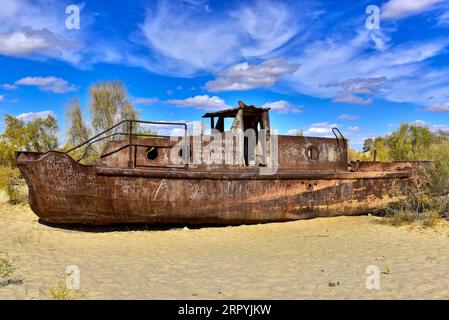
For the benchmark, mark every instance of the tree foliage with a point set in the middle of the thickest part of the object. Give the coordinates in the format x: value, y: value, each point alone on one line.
x: 38, y: 135
x: 109, y: 105
x: 77, y: 131
x: 408, y: 142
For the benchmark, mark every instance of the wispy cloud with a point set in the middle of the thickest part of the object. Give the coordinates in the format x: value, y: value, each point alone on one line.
x: 394, y: 9
x: 30, y: 41
x: 321, y: 129
x: 353, y: 90
x: 400, y: 74
x: 293, y: 132
x: 29, y: 116
x: 353, y: 129
x: 8, y: 86
x: 51, y: 84
x: 443, y: 19
x: 201, y: 102
x: 37, y: 29
x: 186, y: 38
x: 283, y: 106
x: 440, y: 107
x: 167, y: 130
x: 248, y: 45
x: 348, y: 117
x: 244, y: 76
x: 351, y: 98
x: 144, y: 100
x: 432, y: 127
x: 2, y: 97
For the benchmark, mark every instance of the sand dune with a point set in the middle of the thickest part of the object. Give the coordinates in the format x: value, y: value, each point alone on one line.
x: 322, y: 258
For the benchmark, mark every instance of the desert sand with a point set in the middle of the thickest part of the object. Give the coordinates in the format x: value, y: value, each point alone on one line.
x: 322, y: 258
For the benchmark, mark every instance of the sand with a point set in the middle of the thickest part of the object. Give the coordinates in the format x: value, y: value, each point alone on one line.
x: 322, y: 258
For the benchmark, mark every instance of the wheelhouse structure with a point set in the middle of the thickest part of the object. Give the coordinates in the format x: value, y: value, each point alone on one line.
x: 240, y: 173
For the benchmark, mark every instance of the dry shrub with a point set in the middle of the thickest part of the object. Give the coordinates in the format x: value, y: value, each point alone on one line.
x: 61, y: 292
x: 424, y: 199
x: 13, y: 184
x: 7, y: 267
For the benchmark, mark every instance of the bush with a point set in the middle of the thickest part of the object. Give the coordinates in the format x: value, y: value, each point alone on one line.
x: 61, y: 292
x: 7, y: 267
x: 424, y: 199
x: 438, y: 175
x: 12, y: 183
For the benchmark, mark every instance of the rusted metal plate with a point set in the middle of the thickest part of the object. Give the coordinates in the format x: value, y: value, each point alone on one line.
x: 293, y: 154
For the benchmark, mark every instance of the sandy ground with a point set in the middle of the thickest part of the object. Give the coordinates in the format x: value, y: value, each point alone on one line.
x: 321, y: 258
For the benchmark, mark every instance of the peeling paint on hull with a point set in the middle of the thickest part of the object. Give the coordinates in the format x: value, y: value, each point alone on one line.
x: 63, y: 191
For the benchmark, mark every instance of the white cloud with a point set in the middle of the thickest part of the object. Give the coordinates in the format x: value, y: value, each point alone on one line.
x: 8, y: 86
x: 321, y: 129
x: 186, y: 38
x: 201, y: 102
x: 283, y: 106
x: 420, y: 123
x: 2, y: 97
x: 394, y: 9
x: 34, y: 29
x: 293, y: 132
x: 403, y: 72
x: 432, y: 127
x: 165, y: 129
x: 353, y: 129
x: 244, y: 76
x: 352, y: 98
x: 348, y: 117
x: 51, y: 84
x: 440, y: 107
x: 22, y: 43
x: 145, y: 100
x: 351, y: 90
x: 29, y: 116
x: 443, y: 20
x: 440, y: 127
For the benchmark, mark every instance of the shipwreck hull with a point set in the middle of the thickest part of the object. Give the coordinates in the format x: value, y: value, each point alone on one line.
x: 63, y: 191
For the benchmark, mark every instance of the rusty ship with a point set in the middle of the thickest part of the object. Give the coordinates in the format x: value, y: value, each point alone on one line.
x: 276, y: 178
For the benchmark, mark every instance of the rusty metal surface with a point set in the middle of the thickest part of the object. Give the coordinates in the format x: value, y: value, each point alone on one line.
x: 64, y: 191
x: 371, y: 166
x: 292, y: 153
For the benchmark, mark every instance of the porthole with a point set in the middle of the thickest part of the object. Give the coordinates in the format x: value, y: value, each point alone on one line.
x: 312, y: 152
x: 151, y: 153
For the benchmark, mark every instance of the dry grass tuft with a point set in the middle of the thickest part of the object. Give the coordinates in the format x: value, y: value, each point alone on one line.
x: 61, y: 292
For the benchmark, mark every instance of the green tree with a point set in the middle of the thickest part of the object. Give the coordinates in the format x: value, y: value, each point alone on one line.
x: 109, y: 105
x: 410, y: 142
x: 77, y: 131
x: 38, y: 135
x: 368, y: 144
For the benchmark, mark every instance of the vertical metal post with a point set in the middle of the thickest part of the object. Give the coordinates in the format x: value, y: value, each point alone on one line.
x: 130, y: 161
x: 186, y: 151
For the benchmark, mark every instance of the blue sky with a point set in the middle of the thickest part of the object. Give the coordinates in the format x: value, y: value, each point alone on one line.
x: 317, y: 64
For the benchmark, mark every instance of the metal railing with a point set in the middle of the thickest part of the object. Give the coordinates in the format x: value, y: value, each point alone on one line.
x: 131, y: 135
x: 335, y: 131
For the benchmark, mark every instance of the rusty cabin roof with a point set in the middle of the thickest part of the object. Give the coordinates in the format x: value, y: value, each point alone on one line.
x: 231, y: 113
